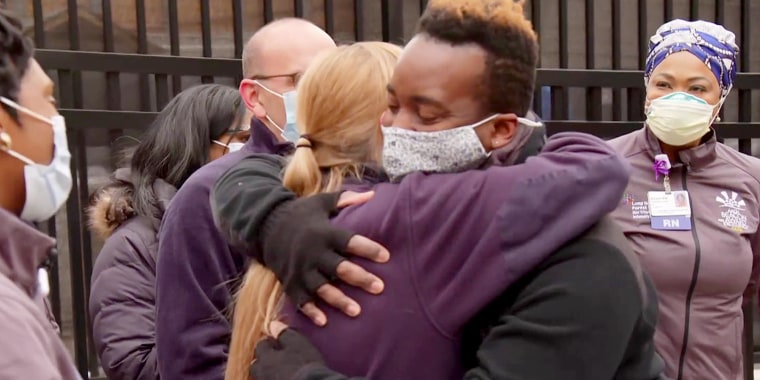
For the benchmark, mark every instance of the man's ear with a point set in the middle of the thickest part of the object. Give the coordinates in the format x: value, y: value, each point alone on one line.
x: 250, y: 95
x: 504, y: 129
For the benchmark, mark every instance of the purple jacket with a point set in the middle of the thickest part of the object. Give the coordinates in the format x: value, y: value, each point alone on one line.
x: 457, y: 242
x: 197, y: 272
x: 122, y: 301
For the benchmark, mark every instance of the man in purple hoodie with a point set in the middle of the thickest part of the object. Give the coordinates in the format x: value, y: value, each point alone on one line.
x: 584, y: 311
x: 196, y: 268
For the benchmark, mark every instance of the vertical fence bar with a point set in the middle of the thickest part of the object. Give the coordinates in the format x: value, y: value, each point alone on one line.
x: 535, y: 19
x: 74, y: 44
x: 593, y: 94
x: 74, y: 221
x: 559, y: 94
x: 81, y: 259
x: 617, y: 57
x: 162, y: 90
x: 237, y: 27
x: 720, y: 12
x: 299, y: 8
x: 237, y: 30
x: 393, y: 21
x: 694, y: 10
x: 39, y: 24
x: 668, y: 10
x: 636, y: 95
x: 643, y: 33
x: 330, y: 17
x: 268, y: 11
x: 142, y: 48
x: 173, y: 49
x: 745, y: 96
x: 113, y: 85
x: 359, y: 32
x: 205, y: 37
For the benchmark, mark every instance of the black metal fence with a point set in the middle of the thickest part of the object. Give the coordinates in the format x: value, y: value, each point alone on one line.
x: 117, y: 62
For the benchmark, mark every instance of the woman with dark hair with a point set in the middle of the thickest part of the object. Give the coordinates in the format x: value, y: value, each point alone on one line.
x: 36, y: 181
x: 199, y: 125
x: 692, y: 211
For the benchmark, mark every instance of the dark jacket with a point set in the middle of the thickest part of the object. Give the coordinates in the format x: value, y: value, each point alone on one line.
x: 587, y: 312
x: 197, y: 272
x: 457, y: 242
x: 122, y: 300
x: 31, y: 348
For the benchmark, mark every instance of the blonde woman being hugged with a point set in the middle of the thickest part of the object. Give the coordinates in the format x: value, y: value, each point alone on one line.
x: 451, y: 255
x: 459, y: 237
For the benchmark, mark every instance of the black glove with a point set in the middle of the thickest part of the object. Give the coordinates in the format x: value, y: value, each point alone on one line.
x: 281, y: 359
x: 300, y: 245
x: 291, y: 236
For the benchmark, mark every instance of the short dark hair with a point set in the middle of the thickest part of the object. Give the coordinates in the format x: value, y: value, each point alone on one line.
x: 178, y: 141
x: 501, y: 29
x: 15, y: 52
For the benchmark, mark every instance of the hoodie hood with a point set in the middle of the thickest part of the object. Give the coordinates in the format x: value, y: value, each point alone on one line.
x: 113, y: 204
x: 527, y: 141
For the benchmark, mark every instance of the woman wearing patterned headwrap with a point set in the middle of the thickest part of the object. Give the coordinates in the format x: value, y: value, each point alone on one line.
x: 701, y: 253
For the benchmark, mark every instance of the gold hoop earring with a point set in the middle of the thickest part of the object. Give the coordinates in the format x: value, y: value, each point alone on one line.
x: 5, y: 141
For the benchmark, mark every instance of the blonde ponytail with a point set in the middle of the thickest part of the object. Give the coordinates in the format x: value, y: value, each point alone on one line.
x: 339, y: 117
x: 261, y: 294
x: 303, y: 175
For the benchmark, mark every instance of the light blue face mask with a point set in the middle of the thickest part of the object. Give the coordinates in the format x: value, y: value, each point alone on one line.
x: 290, y: 131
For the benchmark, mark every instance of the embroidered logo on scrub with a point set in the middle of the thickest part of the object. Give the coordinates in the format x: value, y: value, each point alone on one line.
x: 733, y: 216
x: 639, y: 209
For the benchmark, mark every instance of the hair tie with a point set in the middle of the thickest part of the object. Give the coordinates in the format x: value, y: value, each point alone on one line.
x: 304, y: 142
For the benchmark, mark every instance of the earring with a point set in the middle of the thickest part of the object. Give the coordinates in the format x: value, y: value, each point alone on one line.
x: 5, y: 141
x: 717, y: 119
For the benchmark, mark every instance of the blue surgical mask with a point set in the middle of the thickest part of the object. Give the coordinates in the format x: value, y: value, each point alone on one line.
x: 231, y: 147
x: 290, y: 130
x: 47, y: 185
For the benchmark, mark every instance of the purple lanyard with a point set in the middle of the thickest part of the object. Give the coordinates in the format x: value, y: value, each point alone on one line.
x: 662, y: 168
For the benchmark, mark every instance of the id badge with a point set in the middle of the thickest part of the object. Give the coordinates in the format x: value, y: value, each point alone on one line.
x: 670, y: 210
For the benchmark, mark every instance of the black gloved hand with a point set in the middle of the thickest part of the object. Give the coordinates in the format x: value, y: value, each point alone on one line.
x: 300, y: 245
x: 281, y: 359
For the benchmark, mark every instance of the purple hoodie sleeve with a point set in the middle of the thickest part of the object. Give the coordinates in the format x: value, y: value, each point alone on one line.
x: 507, y: 219
x: 195, y: 273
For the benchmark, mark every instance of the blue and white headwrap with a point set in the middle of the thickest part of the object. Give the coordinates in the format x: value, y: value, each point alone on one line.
x: 709, y: 42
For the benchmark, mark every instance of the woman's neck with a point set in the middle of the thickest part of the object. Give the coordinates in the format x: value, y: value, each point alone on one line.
x: 672, y: 151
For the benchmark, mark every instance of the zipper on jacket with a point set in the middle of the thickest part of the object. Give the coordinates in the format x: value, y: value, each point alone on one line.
x: 694, y: 276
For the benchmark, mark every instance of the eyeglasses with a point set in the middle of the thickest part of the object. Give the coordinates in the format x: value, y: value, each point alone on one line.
x: 294, y: 77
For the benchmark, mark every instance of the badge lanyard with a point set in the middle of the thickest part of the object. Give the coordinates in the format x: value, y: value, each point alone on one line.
x: 662, y: 168
x: 668, y: 210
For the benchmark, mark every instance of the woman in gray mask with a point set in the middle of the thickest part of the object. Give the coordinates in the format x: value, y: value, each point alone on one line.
x: 691, y: 209
x: 36, y: 181
x: 199, y: 125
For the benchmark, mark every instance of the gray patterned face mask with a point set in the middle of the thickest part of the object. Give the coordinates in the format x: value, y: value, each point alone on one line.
x: 448, y: 151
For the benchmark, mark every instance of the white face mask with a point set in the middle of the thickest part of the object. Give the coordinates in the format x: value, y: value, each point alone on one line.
x: 448, y: 151
x: 290, y: 131
x: 680, y: 118
x: 231, y: 147
x: 47, y: 186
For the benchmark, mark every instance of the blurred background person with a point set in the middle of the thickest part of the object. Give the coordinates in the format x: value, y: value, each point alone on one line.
x: 199, y: 125
x: 36, y: 181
